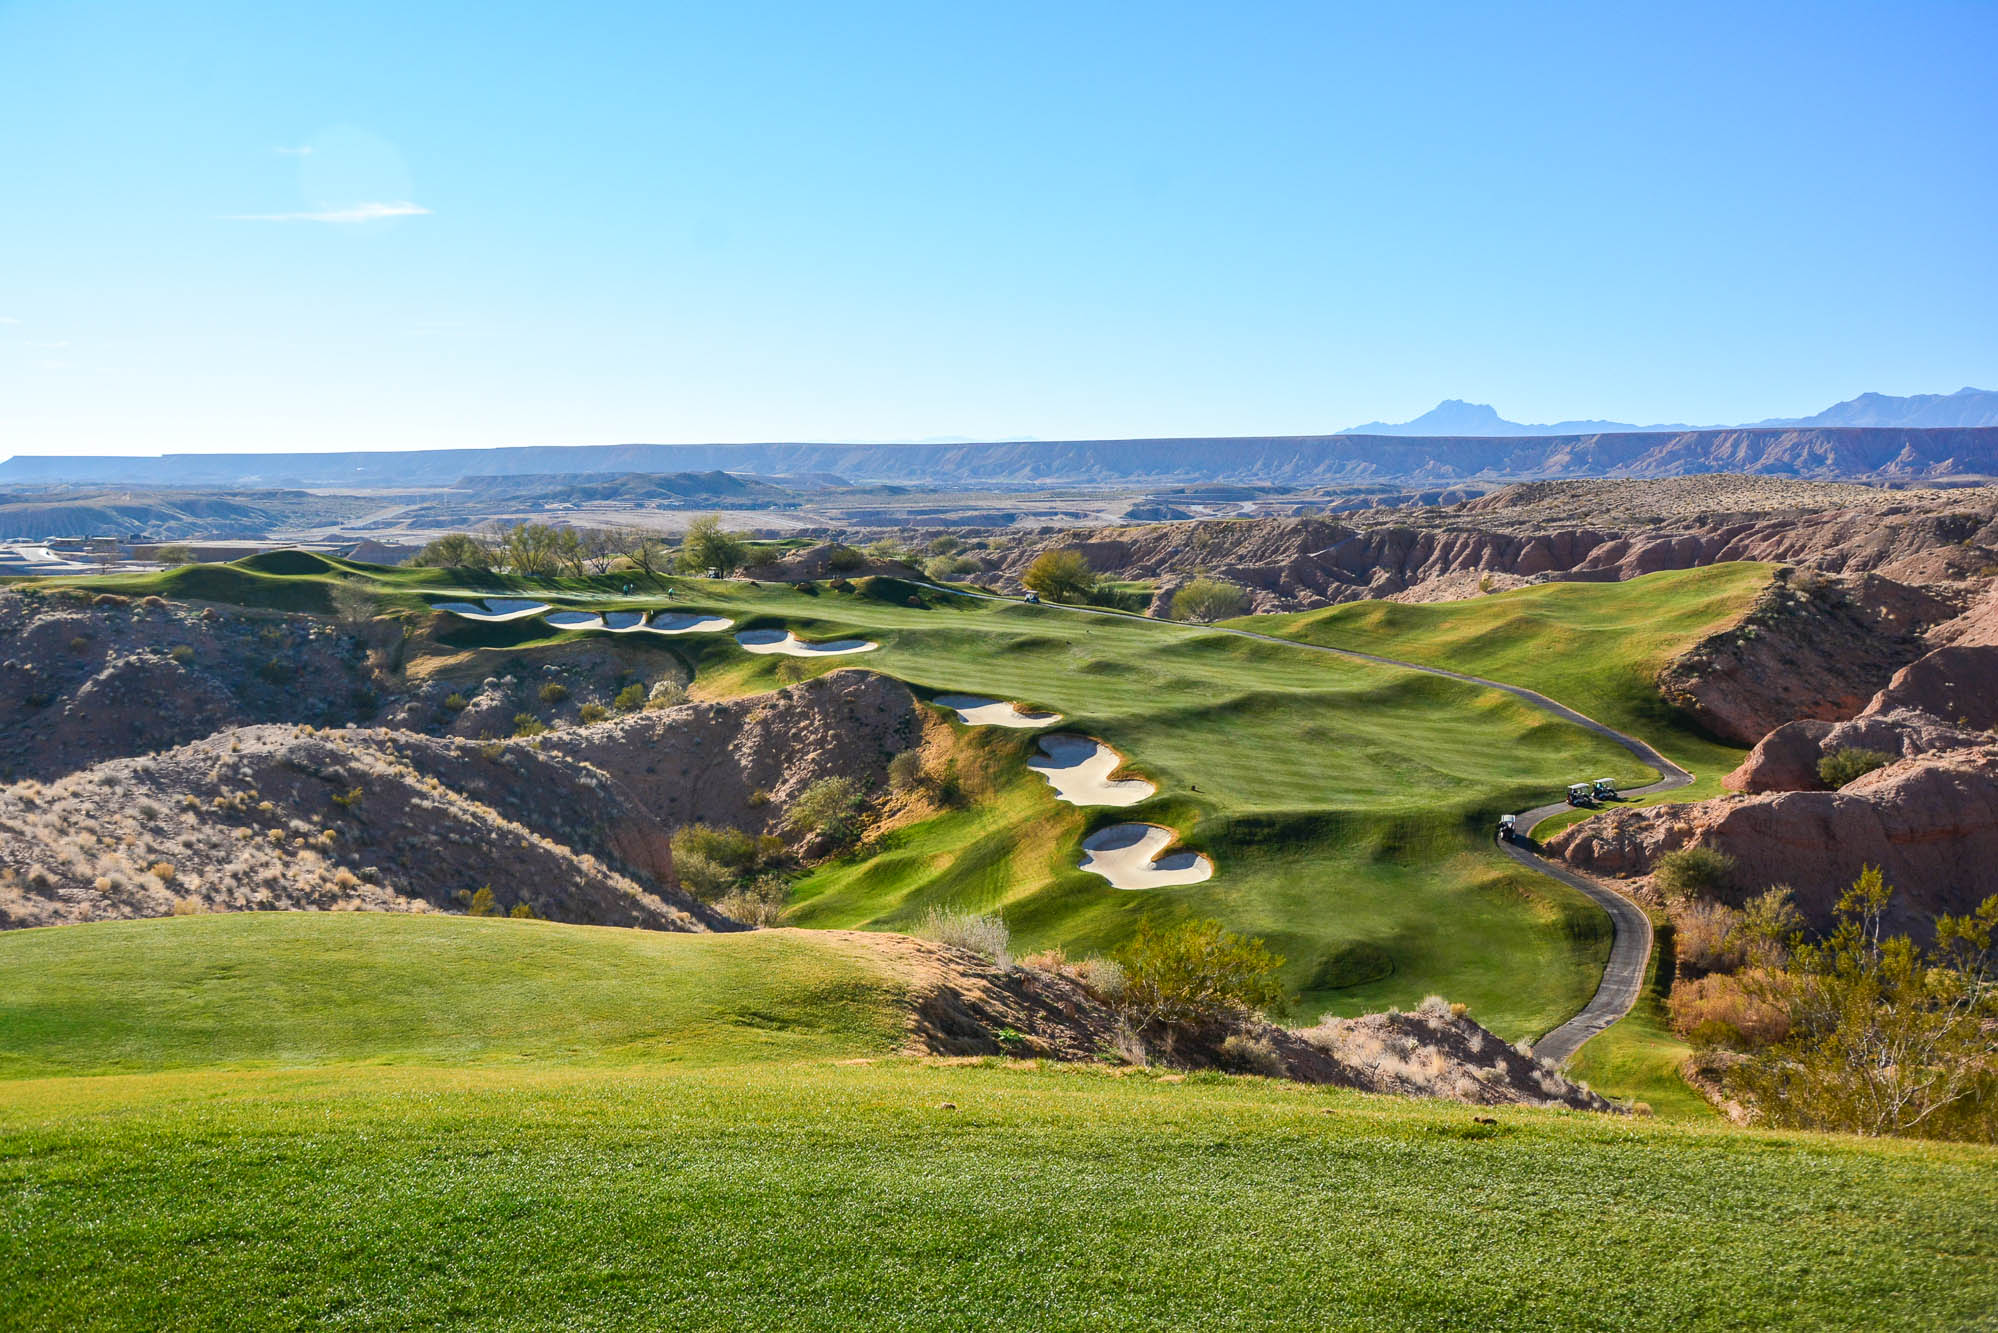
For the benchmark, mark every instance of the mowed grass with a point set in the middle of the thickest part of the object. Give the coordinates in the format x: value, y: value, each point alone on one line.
x: 1595, y: 647
x: 261, y: 989
x: 402, y: 1178
x: 1348, y: 806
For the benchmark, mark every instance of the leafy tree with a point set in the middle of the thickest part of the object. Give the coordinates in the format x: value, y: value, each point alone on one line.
x: 175, y: 554
x: 1204, y: 601
x: 482, y: 903
x: 1060, y: 576
x: 1886, y: 1037
x: 601, y: 548
x: 1839, y: 767
x: 944, y: 545
x: 1692, y: 871
x: 1192, y: 973
x: 629, y: 699
x: 454, y: 550
x: 711, y: 546
x: 644, y: 549
x: 944, y: 568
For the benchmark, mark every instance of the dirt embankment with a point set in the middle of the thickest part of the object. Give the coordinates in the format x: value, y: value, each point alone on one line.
x: 962, y: 1004
x: 575, y: 826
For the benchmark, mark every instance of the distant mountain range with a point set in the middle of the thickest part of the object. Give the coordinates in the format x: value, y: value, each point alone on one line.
x: 1923, y: 411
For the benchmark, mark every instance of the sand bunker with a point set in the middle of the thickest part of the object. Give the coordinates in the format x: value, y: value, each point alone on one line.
x: 977, y: 711
x: 1079, y: 769
x: 789, y: 644
x: 679, y: 622
x: 576, y: 620
x: 1128, y: 856
x: 493, y: 608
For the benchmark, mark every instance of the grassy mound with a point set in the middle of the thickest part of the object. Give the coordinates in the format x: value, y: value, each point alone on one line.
x: 306, y: 988
x: 288, y: 564
x: 449, y: 1180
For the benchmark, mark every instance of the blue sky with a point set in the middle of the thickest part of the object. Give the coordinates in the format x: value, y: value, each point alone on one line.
x: 366, y: 225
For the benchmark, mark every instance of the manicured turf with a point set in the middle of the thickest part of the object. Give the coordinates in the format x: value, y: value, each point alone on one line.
x: 790, y: 1187
x: 1347, y: 806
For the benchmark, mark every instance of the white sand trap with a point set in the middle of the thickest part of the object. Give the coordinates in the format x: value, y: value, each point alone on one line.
x: 493, y: 608
x: 1128, y: 856
x: 977, y: 711
x: 679, y: 622
x: 576, y: 620
x: 624, y: 622
x: 789, y: 644
x: 1079, y: 769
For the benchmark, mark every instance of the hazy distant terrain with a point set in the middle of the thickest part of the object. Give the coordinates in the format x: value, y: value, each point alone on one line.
x: 1922, y: 411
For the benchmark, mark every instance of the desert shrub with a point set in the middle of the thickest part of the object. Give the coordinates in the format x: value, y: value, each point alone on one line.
x: 456, y: 703
x: 1195, y: 972
x: 182, y: 654
x: 344, y: 878
x: 703, y: 876
x: 1722, y: 1010
x: 593, y: 712
x: 492, y: 751
x: 731, y: 848
x: 759, y: 798
x: 527, y: 724
x: 187, y: 906
x: 760, y: 903
x: 523, y: 911
x: 554, y: 692
x: 830, y: 806
x: 1885, y: 1036
x: 944, y: 568
x: 843, y: 559
x: 353, y: 604
x: 1204, y: 601
x: 986, y: 936
x: 80, y: 644
x: 482, y: 903
x: 905, y: 771
x: 1707, y: 936
x: 1060, y: 576
x: 277, y: 671
x: 1839, y: 767
x: 162, y: 871
x: 629, y: 699
x: 348, y: 799
x: 1692, y: 871
x: 666, y: 694
x: 1101, y: 977
x: 1252, y: 1055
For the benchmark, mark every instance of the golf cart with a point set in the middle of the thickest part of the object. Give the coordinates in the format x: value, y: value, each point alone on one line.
x: 1508, y: 829
x: 1581, y: 793
x: 1032, y: 599
x: 1603, y: 789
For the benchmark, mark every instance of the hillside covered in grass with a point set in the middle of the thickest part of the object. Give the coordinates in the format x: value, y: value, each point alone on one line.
x: 384, y: 1122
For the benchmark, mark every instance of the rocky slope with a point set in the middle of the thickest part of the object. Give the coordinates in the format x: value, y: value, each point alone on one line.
x: 1929, y: 822
x: 962, y: 1004
x: 574, y: 825
x: 1548, y: 530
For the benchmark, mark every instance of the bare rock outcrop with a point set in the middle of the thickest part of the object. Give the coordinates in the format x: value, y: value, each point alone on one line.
x: 574, y: 825
x: 1929, y: 822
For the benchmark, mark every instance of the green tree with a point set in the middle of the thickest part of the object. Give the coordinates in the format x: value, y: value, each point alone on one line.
x: 711, y: 546
x: 1060, y: 576
x: 175, y: 554
x: 1886, y: 1037
x: 1204, y: 601
x: 1192, y: 973
x: 830, y: 806
x: 482, y: 903
x: 454, y: 550
x: 1692, y: 871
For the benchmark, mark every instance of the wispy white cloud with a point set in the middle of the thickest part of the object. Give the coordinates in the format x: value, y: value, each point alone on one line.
x: 353, y: 213
x: 300, y: 151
